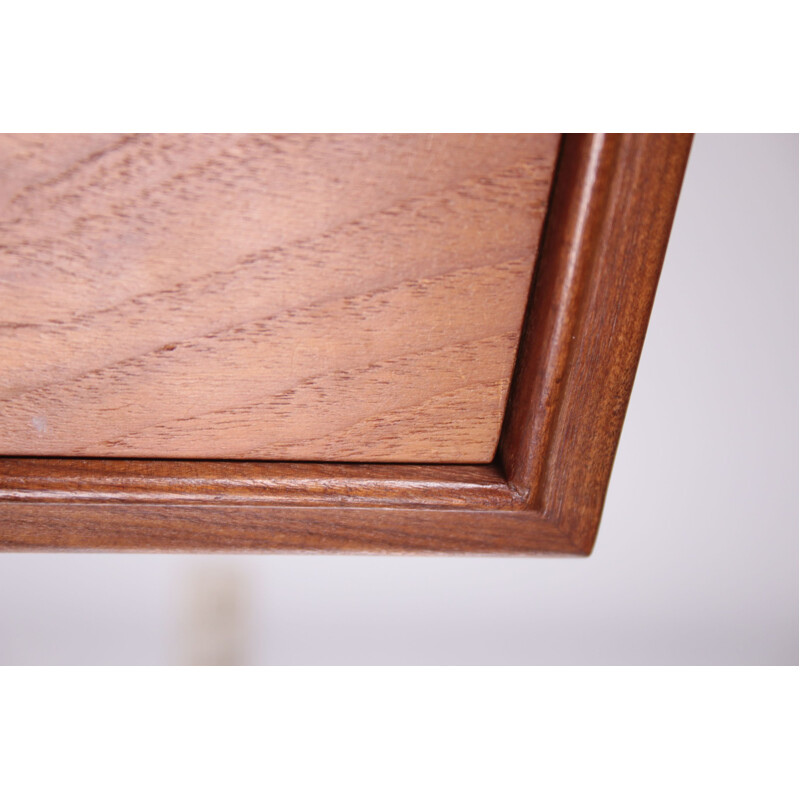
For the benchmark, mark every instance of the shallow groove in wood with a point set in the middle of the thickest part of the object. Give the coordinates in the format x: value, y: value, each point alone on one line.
x: 250, y: 483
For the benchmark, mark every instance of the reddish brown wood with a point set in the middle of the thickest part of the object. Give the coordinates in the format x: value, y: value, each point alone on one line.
x: 610, y: 217
x: 66, y: 480
x: 606, y: 233
x: 260, y: 296
x: 174, y: 527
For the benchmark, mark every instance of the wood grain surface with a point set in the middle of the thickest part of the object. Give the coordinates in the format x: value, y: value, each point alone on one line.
x: 259, y: 483
x: 176, y: 527
x: 606, y: 233
x: 608, y: 226
x: 283, y: 297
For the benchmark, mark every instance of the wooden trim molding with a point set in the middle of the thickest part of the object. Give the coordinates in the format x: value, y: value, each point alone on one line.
x: 607, y: 227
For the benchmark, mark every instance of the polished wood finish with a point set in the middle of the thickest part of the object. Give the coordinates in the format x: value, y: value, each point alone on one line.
x: 64, y: 480
x: 606, y: 232
x: 294, y: 298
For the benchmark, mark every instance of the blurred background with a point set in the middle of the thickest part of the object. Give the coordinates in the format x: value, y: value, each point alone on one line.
x: 696, y: 560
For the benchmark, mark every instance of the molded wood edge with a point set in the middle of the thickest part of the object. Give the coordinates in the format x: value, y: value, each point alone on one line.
x: 175, y: 527
x: 251, y: 483
x: 606, y: 233
x: 566, y: 254
x: 613, y: 204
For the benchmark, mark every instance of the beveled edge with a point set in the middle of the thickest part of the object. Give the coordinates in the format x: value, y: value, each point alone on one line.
x: 604, y: 239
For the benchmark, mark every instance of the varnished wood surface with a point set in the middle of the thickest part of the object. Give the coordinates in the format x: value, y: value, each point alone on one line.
x: 66, y: 480
x: 608, y: 226
x: 308, y: 297
x: 199, y: 527
x: 613, y: 202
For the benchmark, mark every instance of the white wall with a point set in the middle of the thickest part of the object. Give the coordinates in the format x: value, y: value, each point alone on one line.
x: 697, y: 556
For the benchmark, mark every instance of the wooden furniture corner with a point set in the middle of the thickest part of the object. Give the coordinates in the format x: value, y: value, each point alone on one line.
x: 605, y: 235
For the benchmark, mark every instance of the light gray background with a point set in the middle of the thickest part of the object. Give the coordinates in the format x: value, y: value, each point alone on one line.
x: 697, y: 555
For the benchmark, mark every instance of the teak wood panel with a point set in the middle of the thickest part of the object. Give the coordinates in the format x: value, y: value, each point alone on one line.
x: 283, y: 297
x: 606, y: 232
